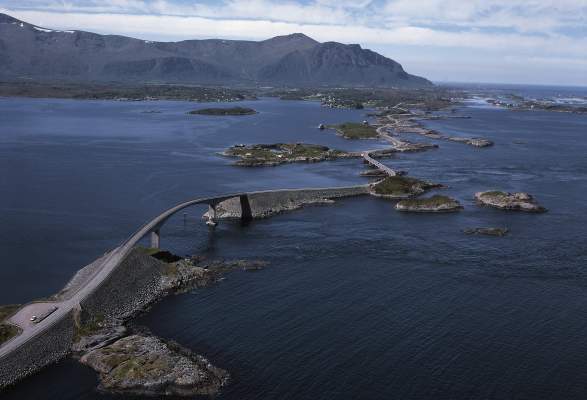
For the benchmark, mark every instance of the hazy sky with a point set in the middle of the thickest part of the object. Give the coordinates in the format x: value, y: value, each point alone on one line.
x: 511, y: 41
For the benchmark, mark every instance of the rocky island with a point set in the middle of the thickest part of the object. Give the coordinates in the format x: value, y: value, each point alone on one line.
x: 431, y: 204
x: 509, y: 201
x: 401, y: 187
x: 487, y: 231
x: 261, y: 155
x: 145, y: 365
x: 223, y: 111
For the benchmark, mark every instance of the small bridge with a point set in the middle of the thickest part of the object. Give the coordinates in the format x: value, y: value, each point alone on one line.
x: 371, y: 161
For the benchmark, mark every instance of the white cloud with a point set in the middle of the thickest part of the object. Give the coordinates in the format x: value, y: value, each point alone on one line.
x: 522, y: 29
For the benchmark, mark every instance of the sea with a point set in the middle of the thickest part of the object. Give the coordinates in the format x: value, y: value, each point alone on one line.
x: 359, y: 301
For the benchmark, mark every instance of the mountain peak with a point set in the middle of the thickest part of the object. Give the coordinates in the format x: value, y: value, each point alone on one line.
x: 297, y: 37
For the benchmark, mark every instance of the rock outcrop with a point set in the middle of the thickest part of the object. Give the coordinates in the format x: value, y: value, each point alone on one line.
x: 145, y: 365
x: 509, y: 201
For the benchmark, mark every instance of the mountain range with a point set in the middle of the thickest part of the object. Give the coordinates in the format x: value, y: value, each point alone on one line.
x: 35, y: 53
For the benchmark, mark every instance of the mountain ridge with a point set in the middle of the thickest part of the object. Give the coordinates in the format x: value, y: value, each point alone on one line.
x: 35, y: 53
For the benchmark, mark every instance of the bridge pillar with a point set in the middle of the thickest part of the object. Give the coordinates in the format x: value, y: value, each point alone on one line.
x: 246, y: 213
x: 211, y: 215
x: 155, y: 239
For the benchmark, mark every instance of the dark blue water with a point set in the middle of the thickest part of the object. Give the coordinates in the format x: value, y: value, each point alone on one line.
x: 359, y: 301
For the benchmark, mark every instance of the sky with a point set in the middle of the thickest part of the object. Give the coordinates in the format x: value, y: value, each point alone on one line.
x: 500, y: 41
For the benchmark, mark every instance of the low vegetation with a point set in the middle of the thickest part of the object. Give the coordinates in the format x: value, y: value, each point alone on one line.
x: 427, y: 99
x: 354, y: 130
x: 90, y: 326
x: 402, y: 186
x: 7, y: 332
x: 7, y: 310
x: 279, y: 153
x: 222, y: 111
x: 125, y: 92
x: 435, y: 203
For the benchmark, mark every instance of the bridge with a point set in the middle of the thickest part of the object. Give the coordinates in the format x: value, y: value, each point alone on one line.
x: 371, y: 161
x: 55, y: 313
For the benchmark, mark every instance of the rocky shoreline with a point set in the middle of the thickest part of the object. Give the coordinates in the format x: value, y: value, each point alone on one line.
x: 402, y: 121
x: 141, y: 364
x: 131, y: 360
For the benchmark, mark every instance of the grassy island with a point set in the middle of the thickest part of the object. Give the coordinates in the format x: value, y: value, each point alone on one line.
x: 221, y: 111
x: 280, y: 153
x: 354, y: 130
x: 435, y: 203
x: 401, y: 187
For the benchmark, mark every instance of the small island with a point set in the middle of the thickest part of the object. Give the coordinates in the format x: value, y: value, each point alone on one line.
x: 145, y: 365
x: 509, y: 201
x: 354, y: 130
x: 401, y: 187
x: 499, y: 232
x: 260, y: 155
x: 435, y: 203
x: 223, y: 111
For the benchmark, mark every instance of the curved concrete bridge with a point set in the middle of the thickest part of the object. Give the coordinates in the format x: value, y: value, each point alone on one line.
x: 107, y: 264
x: 57, y: 313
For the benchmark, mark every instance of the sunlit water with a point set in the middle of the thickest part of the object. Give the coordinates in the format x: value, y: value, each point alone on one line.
x: 359, y: 301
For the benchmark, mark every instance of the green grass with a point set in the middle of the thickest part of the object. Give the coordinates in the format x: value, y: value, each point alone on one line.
x: 304, y: 150
x: 354, y: 130
x: 401, y: 186
x: 434, y: 201
x: 224, y: 111
x: 141, y: 367
x: 8, y: 310
x: 91, y: 325
x: 8, y: 332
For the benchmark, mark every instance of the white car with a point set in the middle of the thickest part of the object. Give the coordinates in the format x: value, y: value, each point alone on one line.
x: 33, y: 318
